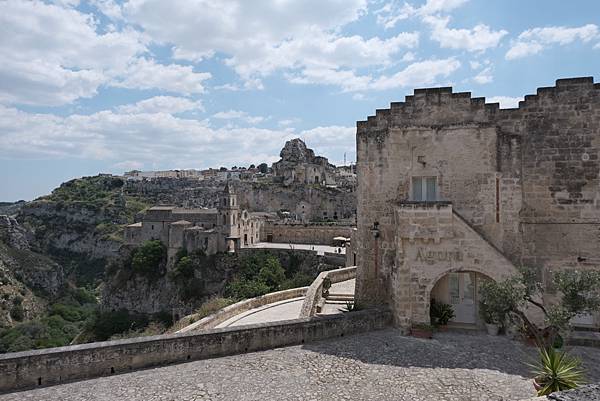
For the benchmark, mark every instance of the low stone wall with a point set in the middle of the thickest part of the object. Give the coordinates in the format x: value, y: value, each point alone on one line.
x: 58, y: 365
x: 301, y: 234
x: 230, y: 311
x: 338, y: 259
x: 314, y: 294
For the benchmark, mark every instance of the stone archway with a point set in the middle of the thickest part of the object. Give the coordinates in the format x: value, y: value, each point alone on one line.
x: 460, y: 289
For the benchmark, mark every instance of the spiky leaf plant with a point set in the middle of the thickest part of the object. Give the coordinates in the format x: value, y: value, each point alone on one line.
x: 556, y: 371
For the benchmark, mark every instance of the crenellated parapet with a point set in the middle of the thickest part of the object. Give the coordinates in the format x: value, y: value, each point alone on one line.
x: 441, y: 106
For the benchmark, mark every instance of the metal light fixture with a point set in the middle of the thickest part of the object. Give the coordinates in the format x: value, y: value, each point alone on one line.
x: 375, y: 229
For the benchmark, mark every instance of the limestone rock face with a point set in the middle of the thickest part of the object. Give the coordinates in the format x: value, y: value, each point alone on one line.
x: 12, y: 233
x: 32, y: 269
x: 299, y: 165
x: 295, y: 151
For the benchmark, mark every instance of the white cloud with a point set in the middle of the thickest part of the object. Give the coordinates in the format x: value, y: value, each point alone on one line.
x: 533, y: 41
x: 157, y: 140
x: 346, y: 79
x: 506, y: 102
x: 440, y: 6
x: 425, y: 72
x: 420, y: 73
x: 477, y: 39
x: 147, y: 74
x: 238, y: 115
x: 162, y: 104
x: 288, y: 121
x: 332, y: 142
x: 408, y: 57
x: 484, y: 76
x: 53, y: 55
x: 475, y: 65
x: 301, y: 38
x: 393, y: 12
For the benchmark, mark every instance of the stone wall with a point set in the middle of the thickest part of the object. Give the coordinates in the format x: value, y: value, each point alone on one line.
x: 238, y: 308
x: 304, y: 234
x: 58, y: 365
x: 525, y: 180
x: 314, y: 293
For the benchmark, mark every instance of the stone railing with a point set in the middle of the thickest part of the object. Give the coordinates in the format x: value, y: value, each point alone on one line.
x: 230, y: 311
x: 64, y: 364
x: 314, y: 294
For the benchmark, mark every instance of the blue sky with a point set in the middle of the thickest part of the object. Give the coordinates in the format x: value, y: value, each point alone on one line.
x: 107, y: 86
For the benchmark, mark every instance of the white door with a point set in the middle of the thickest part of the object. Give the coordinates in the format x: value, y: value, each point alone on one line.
x: 462, y: 297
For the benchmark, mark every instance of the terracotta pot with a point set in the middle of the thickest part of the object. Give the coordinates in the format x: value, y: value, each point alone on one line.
x: 421, y: 333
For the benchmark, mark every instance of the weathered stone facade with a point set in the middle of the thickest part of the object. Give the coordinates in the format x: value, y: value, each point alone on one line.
x: 303, y: 234
x: 299, y: 165
x: 450, y: 185
x: 226, y: 228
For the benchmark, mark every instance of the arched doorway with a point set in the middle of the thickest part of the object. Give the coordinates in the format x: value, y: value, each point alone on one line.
x: 460, y: 289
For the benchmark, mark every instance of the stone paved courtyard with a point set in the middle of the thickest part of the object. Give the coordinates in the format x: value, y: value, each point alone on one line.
x: 379, y: 365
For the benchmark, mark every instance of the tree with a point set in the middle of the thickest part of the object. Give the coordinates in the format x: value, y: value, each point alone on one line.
x: 578, y: 293
x: 222, y: 168
x: 252, y: 166
x: 263, y: 168
x: 149, y: 257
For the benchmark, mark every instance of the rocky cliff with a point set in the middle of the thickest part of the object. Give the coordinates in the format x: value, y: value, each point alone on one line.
x: 27, y: 279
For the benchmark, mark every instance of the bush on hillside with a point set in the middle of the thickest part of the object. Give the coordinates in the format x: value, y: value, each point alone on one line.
x: 149, y: 258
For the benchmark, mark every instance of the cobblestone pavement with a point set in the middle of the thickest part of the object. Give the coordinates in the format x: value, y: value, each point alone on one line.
x: 378, y: 365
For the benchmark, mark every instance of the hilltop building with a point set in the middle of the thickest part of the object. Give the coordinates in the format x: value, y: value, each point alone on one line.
x: 225, y: 228
x: 453, y: 191
x: 299, y: 165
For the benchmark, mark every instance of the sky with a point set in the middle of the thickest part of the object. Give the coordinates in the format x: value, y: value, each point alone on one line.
x: 109, y: 86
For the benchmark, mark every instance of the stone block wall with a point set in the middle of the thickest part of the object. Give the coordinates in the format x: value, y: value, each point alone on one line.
x: 526, y: 180
x: 58, y: 365
x: 303, y: 234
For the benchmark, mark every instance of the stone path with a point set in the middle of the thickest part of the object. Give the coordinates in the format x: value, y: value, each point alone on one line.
x: 379, y: 365
x: 319, y: 249
x: 275, y: 312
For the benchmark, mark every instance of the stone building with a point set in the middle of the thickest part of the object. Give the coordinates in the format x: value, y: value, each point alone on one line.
x: 299, y: 165
x: 225, y: 228
x: 453, y: 191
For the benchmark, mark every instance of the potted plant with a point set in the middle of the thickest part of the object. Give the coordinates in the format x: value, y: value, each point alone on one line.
x: 422, y: 330
x: 556, y: 371
x: 440, y: 314
x: 490, y: 318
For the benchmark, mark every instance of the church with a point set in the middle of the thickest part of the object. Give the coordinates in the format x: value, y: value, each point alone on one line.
x: 225, y: 228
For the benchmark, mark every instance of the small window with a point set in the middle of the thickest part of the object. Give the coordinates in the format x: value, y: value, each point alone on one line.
x: 424, y: 189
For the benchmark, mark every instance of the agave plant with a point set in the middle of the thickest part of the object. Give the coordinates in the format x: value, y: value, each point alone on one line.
x: 556, y: 371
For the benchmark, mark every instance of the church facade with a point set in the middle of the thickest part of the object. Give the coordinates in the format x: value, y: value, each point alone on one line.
x: 453, y: 191
x: 225, y: 228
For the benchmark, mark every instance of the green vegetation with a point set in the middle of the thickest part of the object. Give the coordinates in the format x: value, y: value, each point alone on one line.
x: 259, y: 274
x: 440, y: 313
x: 17, y: 312
x: 211, y: 306
x: 149, y: 258
x: 64, y: 321
x: 556, y: 371
x: 578, y: 293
